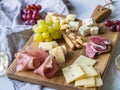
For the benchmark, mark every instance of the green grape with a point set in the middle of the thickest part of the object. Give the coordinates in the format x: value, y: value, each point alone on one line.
x: 56, y: 26
x: 50, y: 29
x: 55, y: 35
x: 45, y: 35
x: 49, y: 22
x: 48, y: 39
x: 42, y: 28
x: 59, y: 35
x: 39, y: 22
x: 38, y: 37
x: 35, y: 28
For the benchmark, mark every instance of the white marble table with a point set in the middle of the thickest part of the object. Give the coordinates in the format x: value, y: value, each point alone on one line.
x: 83, y: 9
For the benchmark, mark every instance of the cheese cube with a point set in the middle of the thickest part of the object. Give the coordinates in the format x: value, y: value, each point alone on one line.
x: 89, y: 71
x: 94, y: 30
x: 48, y: 45
x: 83, y: 60
x: 86, y: 82
x: 58, y: 53
x: 83, y: 30
x: 89, y: 22
x: 71, y: 17
x: 72, y: 73
x: 74, y: 25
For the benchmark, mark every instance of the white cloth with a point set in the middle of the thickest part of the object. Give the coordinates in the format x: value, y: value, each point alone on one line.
x: 15, y: 34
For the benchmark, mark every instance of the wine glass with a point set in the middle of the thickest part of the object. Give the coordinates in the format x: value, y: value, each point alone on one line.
x: 3, y: 58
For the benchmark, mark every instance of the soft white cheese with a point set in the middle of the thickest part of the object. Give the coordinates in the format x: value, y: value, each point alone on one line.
x: 94, y: 30
x: 84, y: 30
x: 74, y: 25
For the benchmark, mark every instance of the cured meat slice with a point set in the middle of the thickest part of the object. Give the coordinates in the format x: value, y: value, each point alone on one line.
x: 89, y: 51
x: 28, y: 59
x: 48, y: 68
x: 98, y: 40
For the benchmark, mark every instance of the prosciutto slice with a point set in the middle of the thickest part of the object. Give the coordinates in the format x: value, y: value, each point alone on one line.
x: 30, y: 59
x: 48, y: 68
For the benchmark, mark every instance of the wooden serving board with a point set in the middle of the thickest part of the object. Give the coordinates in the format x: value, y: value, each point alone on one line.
x: 58, y: 81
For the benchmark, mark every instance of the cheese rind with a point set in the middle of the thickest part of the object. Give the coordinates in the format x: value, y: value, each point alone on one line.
x: 72, y: 73
x: 83, y: 60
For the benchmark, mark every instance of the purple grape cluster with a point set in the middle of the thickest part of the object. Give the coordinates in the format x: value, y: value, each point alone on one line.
x: 30, y: 14
x: 113, y: 25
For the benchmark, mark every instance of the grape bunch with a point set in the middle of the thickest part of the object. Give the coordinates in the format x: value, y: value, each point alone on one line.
x: 30, y: 14
x: 46, y: 30
x: 113, y: 25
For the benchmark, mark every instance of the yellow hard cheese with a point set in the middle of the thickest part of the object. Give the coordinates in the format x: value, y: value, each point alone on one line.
x: 58, y: 53
x: 98, y: 80
x: 72, y: 73
x: 86, y: 82
x: 48, y: 45
x: 83, y: 60
x: 89, y: 71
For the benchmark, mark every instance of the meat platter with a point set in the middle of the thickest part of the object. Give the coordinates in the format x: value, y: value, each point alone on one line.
x: 58, y: 80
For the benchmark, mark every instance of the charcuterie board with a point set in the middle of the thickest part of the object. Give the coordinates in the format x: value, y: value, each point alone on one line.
x: 58, y: 81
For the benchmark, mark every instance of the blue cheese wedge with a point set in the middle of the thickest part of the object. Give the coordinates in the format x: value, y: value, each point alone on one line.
x: 74, y: 25
x: 72, y: 73
x: 83, y: 60
x: 86, y: 82
x: 83, y: 30
x: 94, y: 30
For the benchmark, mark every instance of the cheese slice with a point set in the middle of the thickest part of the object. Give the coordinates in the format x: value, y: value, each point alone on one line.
x: 72, y: 73
x: 83, y: 60
x: 48, y: 45
x: 89, y: 71
x: 98, y: 80
x: 58, y: 53
x: 86, y: 82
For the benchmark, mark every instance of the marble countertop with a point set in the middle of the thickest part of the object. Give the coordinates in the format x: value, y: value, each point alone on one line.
x: 83, y: 9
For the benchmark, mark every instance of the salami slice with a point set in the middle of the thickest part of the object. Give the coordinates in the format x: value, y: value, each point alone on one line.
x: 89, y: 51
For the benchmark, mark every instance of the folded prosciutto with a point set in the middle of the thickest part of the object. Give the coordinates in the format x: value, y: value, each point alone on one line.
x: 48, y: 68
x: 28, y: 59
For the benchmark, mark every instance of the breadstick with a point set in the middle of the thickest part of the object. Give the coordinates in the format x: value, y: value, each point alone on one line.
x: 79, y: 41
x: 76, y: 44
x: 68, y: 41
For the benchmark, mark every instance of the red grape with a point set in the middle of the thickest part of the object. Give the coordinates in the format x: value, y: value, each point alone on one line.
x: 29, y: 16
x: 33, y: 6
x: 29, y: 12
x: 108, y: 23
x: 118, y: 28
x: 39, y: 7
x: 117, y: 22
x: 113, y: 27
x: 24, y: 17
x: 24, y: 11
x: 29, y: 7
x: 32, y: 22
